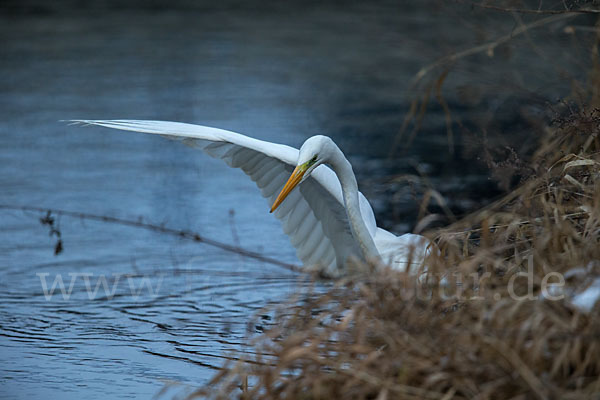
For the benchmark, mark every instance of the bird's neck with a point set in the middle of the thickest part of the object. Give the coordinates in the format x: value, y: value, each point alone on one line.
x: 343, y: 169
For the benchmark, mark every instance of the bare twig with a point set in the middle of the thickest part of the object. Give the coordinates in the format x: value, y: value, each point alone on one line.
x: 184, y: 234
x: 531, y: 11
x: 487, y: 47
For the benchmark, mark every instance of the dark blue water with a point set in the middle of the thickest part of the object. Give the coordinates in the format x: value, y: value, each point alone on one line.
x: 173, y: 310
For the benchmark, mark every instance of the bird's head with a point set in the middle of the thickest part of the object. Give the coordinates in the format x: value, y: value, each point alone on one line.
x: 314, y: 152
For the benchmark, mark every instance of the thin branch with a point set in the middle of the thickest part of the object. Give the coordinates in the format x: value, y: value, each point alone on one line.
x: 486, y: 47
x: 531, y: 11
x: 156, y: 228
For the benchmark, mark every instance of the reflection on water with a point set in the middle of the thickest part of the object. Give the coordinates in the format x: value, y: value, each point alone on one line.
x: 277, y: 73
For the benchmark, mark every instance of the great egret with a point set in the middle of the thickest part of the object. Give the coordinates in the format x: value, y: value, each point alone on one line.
x: 328, y: 220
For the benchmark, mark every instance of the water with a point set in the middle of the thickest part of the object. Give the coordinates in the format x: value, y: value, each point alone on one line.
x: 176, y: 309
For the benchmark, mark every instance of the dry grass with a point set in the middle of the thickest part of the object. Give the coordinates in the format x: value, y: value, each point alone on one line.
x: 386, y: 335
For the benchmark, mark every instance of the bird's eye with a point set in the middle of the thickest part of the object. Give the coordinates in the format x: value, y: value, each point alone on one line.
x: 311, y: 162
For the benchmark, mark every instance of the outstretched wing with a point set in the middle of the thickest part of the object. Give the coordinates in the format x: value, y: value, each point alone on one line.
x: 313, y: 217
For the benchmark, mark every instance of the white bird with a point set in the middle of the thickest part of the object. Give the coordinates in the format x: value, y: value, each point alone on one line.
x: 328, y: 220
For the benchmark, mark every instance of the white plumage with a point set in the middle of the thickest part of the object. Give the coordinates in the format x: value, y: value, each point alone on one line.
x: 326, y: 224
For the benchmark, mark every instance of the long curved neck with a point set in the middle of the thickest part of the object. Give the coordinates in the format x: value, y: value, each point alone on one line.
x: 343, y: 169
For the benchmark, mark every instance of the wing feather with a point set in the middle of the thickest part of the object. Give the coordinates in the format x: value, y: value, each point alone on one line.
x: 288, y: 207
x: 299, y: 236
x: 318, y: 252
x: 300, y: 212
x: 253, y: 161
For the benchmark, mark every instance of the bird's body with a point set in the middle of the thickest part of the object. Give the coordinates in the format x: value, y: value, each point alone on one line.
x: 327, y: 219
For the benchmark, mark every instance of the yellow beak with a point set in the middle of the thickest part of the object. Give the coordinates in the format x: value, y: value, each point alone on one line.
x: 294, y: 180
